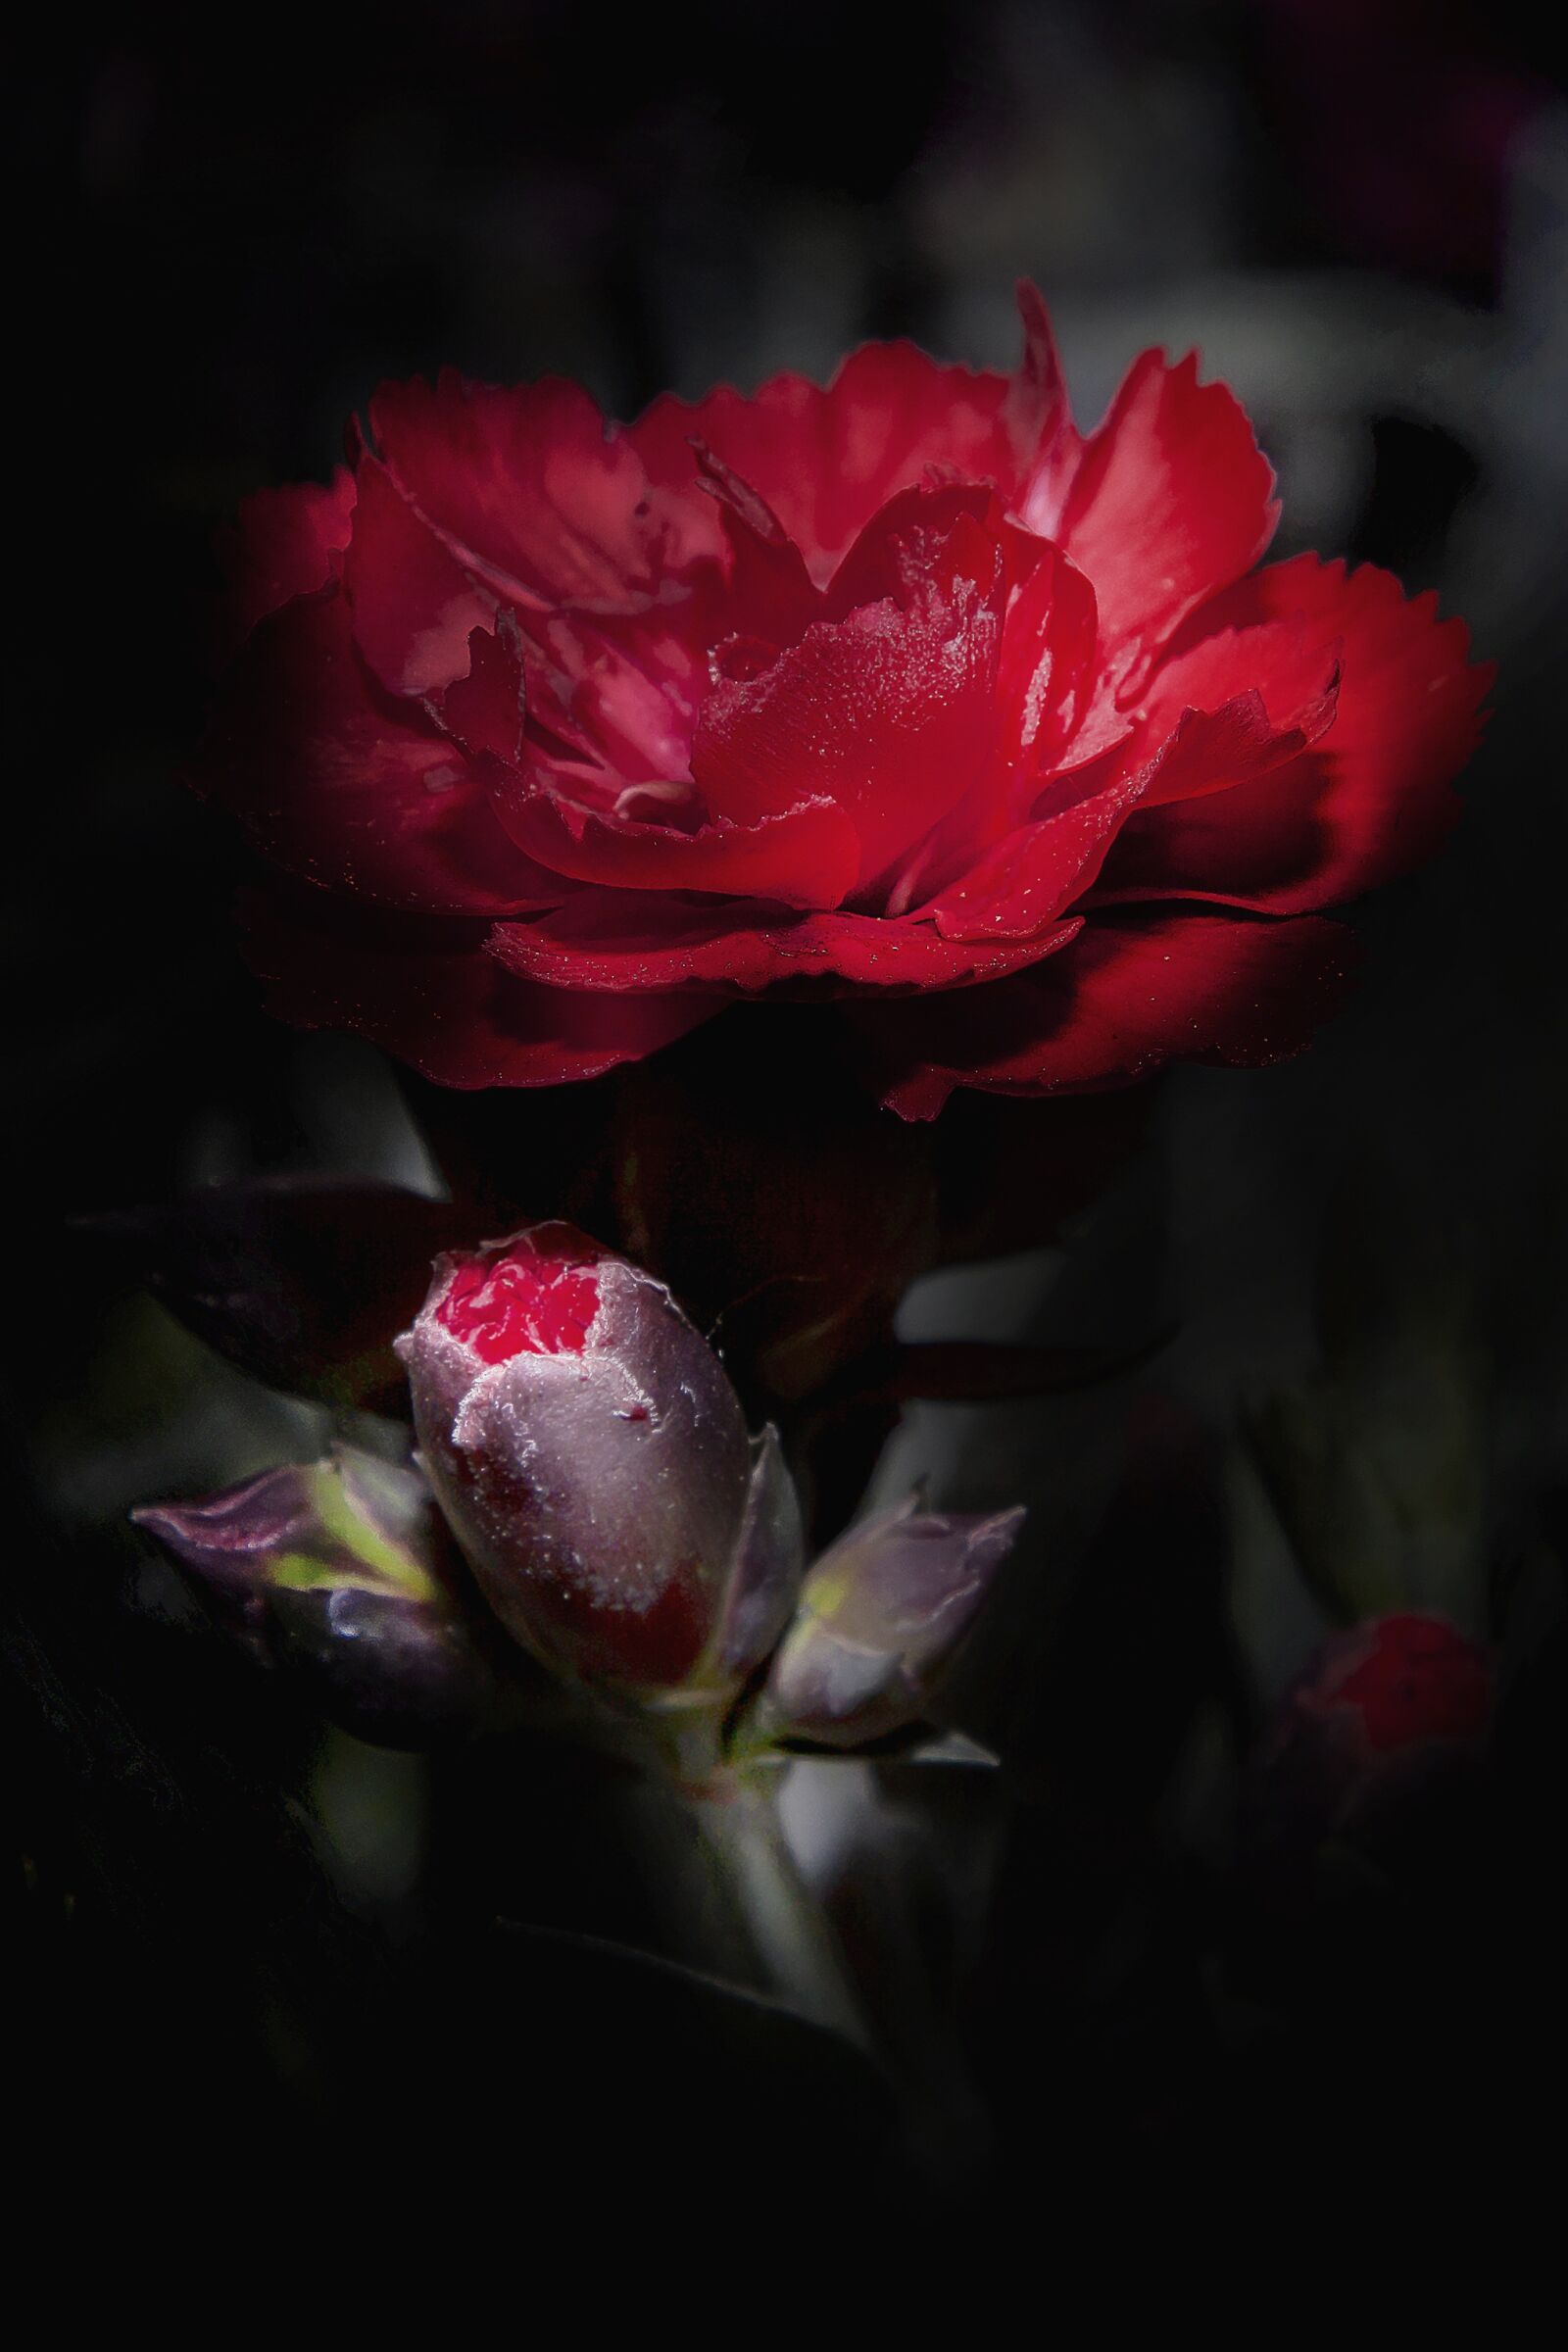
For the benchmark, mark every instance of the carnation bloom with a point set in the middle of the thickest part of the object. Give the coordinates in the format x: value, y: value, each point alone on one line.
x: 902, y: 695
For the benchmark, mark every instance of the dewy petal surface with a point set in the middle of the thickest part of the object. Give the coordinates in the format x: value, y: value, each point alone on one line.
x: 887, y: 713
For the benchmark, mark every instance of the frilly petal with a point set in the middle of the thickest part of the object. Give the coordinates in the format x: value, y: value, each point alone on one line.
x: 429, y: 994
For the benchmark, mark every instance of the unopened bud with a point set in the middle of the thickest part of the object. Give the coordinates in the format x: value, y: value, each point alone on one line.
x: 334, y: 1570
x: 591, y: 1459
x: 880, y: 1616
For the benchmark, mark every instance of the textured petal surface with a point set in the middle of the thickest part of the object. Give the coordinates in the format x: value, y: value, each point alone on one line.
x: 1038, y: 870
x: 826, y: 459
x: 803, y: 856
x: 887, y: 713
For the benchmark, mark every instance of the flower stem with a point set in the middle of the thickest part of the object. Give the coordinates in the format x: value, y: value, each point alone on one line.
x: 736, y: 1814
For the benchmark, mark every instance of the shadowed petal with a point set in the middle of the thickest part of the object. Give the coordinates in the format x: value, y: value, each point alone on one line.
x: 634, y: 940
x: 428, y: 992
x: 413, y: 602
x: 281, y: 544
x: 346, y: 786
x: 1370, y: 800
x: 1130, y: 994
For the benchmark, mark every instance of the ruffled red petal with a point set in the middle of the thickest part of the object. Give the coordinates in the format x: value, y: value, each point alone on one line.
x: 1038, y: 870
x: 808, y: 855
x: 526, y: 485
x: 414, y: 605
x: 429, y: 994
x: 1371, y: 799
x: 826, y: 459
x: 887, y: 712
x: 281, y: 544
x: 623, y: 940
x: 1130, y: 994
x: 1171, y: 500
x: 344, y: 785
x: 575, y: 817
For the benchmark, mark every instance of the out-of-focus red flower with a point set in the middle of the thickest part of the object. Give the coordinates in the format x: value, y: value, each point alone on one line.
x: 901, y: 694
x: 1372, y: 1743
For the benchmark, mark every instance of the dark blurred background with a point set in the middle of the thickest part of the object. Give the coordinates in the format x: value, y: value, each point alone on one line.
x: 225, y: 233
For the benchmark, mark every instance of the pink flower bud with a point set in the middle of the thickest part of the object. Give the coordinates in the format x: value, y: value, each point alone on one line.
x: 593, y: 1462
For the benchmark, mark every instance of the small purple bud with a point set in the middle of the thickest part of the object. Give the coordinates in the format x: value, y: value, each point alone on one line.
x: 880, y: 1615
x: 229, y: 1543
x: 334, y: 1569
x: 591, y: 1459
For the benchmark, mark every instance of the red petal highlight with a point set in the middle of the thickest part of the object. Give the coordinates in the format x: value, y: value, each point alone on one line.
x: 887, y: 713
x: 1171, y: 502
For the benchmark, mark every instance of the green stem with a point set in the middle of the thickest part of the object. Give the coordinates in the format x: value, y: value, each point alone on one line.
x: 737, y: 1816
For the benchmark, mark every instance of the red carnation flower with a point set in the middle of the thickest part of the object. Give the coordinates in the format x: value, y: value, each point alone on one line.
x: 901, y: 694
